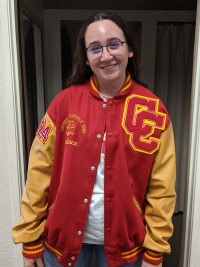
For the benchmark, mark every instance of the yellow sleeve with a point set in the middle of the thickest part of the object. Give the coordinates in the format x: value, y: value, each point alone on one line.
x: 161, y: 197
x: 34, y: 200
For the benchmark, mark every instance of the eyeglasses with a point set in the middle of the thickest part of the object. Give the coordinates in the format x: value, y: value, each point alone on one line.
x: 114, y: 48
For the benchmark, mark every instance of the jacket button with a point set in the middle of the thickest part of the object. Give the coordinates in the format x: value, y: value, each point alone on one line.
x: 92, y: 168
x: 108, y: 229
x: 110, y: 134
x: 108, y: 199
x: 72, y: 258
x: 79, y: 233
x: 85, y: 200
x: 108, y: 167
x: 104, y: 105
x: 69, y: 264
x: 98, y: 136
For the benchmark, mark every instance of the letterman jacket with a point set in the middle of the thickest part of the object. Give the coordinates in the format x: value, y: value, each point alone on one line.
x: 139, y: 196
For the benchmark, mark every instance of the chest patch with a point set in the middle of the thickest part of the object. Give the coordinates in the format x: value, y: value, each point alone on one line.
x: 69, y: 125
x: 140, y: 119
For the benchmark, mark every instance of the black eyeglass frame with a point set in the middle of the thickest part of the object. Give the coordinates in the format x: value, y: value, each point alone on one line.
x: 101, y: 46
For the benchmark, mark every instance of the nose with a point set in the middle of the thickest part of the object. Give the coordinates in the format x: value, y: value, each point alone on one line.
x: 105, y: 54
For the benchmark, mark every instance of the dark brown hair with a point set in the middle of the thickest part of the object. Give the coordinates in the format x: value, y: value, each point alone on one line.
x: 82, y: 72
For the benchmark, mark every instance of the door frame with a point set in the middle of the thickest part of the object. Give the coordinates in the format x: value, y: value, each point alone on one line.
x: 191, y: 229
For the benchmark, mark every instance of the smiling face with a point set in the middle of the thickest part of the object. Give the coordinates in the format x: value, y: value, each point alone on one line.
x: 107, y: 68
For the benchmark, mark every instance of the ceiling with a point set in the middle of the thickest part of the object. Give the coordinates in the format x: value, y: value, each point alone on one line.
x: 122, y: 4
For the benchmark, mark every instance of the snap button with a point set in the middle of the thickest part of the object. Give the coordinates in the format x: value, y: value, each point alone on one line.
x: 98, y: 136
x: 104, y: 105
x: 69, y: 264
x: 92, y: 168
x: 108, y: 167
x: 79, y: 233
x: 108, y: 229
x: 85, y: 200
x: 108, y: 199
x: 72, y: 258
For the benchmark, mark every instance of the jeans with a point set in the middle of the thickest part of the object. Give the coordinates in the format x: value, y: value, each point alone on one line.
x: 85, y: 258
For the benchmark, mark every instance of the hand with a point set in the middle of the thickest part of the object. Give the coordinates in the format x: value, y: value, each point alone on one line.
x: 146, y: 264
x: 33, y: 262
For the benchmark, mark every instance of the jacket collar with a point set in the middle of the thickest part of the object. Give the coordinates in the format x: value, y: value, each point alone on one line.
x: 128, y: 85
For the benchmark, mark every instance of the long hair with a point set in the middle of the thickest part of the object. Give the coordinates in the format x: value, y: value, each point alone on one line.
x: 82, y: 72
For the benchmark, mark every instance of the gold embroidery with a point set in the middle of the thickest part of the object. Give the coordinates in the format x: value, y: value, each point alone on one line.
x: 70, y: 142
x: 80, y: 121
x: 69, y: 125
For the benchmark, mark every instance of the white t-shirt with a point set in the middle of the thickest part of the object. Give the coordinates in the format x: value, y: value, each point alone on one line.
x: 94, y: 230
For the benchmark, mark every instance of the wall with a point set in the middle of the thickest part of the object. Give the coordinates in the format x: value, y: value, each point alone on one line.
x: 11, y: 156
x: 6, y: 202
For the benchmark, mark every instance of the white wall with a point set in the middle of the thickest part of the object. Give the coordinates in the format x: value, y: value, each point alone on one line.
x: 7, y: 249
x: 11, y: 156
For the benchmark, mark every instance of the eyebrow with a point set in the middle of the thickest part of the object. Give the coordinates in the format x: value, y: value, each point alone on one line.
x: 108, y: 40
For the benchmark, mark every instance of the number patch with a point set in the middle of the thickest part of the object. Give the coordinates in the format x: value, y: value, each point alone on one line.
x: 140, y: 119
x: 43, y: 131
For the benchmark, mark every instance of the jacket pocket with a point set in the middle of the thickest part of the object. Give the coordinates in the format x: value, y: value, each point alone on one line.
x: 50, y: 208
x: 137, y: 205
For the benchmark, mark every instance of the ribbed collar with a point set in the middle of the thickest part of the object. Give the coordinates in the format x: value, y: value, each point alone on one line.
x: 128, y: 85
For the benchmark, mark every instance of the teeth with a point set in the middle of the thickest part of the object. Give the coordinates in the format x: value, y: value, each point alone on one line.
x: 109, y: 67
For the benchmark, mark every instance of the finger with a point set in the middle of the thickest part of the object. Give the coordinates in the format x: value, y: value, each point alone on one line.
x: 39, y: 262
x: 29, y: 262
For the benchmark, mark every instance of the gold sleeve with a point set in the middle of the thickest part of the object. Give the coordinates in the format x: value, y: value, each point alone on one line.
x: 35, y: 195
x: 161, y: 196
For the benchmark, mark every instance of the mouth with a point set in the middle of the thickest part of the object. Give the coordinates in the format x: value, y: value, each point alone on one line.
x: 109, y: 67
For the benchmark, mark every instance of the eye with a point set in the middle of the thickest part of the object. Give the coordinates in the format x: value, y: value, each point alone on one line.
x: 114, y: 45
x: 95, y: 49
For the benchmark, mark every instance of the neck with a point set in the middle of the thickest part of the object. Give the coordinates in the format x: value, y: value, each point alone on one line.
x: 112, y: 88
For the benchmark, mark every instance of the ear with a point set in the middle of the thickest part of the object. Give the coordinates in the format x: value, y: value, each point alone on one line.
x: 130, y: 54
x: 87, y: 63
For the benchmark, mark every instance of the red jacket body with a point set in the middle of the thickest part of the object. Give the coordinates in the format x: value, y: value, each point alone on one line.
x: 139, y: 194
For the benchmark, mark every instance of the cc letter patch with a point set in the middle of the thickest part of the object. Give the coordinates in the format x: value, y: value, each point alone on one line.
x: 140, y: 119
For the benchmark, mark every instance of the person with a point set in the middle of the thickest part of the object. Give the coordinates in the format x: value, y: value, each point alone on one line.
x: 101, y: 170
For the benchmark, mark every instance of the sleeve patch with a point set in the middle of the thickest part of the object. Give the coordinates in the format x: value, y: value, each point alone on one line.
x: 43, y: 131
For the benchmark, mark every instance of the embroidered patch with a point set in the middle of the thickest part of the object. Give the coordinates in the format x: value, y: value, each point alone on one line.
x: 140, y: 118
x: 69, y: 126
x: 43, y: 131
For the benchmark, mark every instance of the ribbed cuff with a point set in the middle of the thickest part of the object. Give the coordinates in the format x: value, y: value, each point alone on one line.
x: 33, y: 250
x: 152, y: 257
